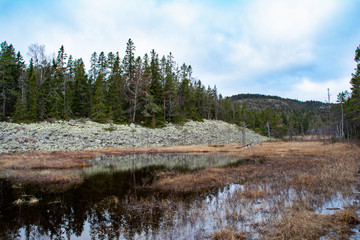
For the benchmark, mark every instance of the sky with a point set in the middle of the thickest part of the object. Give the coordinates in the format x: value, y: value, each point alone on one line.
x: 289, y: 48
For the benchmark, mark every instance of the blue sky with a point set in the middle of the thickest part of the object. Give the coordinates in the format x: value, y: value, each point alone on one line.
x: 289, y: 48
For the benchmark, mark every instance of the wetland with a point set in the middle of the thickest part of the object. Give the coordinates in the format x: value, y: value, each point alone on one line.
x: 279, y: 190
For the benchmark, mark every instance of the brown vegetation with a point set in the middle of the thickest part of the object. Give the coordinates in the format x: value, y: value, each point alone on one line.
x: 301, y: 224
x: 228, y: 234
x: 308, y: 173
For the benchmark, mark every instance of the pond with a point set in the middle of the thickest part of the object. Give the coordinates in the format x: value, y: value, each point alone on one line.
x: 116, y: 200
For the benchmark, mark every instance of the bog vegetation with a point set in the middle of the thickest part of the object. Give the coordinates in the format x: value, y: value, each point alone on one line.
x: 153, y: 90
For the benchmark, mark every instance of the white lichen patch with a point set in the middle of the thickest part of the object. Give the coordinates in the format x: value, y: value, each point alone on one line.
x: 81, y: 135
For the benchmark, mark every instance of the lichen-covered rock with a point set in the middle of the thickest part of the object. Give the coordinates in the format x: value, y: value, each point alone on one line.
x: 80, y: 135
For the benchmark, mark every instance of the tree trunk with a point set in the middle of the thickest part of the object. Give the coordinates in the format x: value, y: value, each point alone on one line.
x: 135, y: 106
x: 268, y: 128
x: 4, y: 101
x: 342, y: 121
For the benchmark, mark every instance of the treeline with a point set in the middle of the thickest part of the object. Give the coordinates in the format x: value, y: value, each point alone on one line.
x: 277, y: 117
x: 260, y: 101
x: 148, y: 90
x: 346, y: 113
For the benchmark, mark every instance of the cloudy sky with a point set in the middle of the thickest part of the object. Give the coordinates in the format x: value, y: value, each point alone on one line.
x: 289, y: 48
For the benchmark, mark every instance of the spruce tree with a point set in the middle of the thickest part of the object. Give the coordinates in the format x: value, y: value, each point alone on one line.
x: 116, y: 91
x: 129, y: 61
x: 169, y: 89
x: 31, y: 94
x: 81, y: 96
x: 94, y: 69
x: 156, y: 88
x: 98, y: 112
x: 10, y: 71
x: 353, y: 104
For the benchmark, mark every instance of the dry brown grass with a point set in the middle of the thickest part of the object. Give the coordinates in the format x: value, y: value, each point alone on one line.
x: 298, y: 224
x: 314, y: 171
x: 228, y: 234
x: 198, y: 180
x: 59, y: 179
x: 293, y: 164
x: 254, y: 192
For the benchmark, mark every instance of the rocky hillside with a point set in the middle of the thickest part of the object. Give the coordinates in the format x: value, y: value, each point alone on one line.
x: 80, y: 135
x: 258, y: 101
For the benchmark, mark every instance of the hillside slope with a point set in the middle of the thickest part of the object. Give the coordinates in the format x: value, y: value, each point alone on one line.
x: 258, y: 101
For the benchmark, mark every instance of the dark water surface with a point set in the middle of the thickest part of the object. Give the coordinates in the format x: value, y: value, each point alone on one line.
x: 115, y: 201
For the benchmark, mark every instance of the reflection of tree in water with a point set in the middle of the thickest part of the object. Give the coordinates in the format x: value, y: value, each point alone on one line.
x: 106, y: 201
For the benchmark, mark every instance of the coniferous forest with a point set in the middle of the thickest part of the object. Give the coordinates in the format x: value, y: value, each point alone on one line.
x: 153, y: 90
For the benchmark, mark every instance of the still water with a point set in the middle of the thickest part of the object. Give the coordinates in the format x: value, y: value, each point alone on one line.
x: 114, y: 201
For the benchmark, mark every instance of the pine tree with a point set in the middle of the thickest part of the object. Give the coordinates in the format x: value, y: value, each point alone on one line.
x: 94, y: 70
x: 10, y: 72
x: 129, y: 61
x: 116, y: 91
x: 69, y: 85
x: 31, y: 94
x: 20, y: 106
x: 57, y: 87
x: 353, y: 104
x: 98, y: 112
x: 81, y: 97
x: 169, y: 89
x: 156, y: 89
x: 102, y: 65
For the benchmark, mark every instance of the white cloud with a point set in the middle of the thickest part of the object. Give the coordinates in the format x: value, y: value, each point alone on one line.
x: 238, y: 45
x: 308, y: 89
x: 290, y: 20
x: 280, y: 33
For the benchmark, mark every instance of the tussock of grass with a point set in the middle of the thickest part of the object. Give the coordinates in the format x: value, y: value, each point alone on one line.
x: 198, y: 180
x: 303, y: 224
x: 228, y: 234
x: 47, y: 179
x: 254, y: 192
x: 347, y: 216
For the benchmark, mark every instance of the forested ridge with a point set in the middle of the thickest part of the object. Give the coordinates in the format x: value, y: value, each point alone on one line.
x: 153, y: 90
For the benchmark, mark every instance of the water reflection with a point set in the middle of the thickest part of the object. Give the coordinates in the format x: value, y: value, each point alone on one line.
x: 116, y: 201
x: 112, y: 202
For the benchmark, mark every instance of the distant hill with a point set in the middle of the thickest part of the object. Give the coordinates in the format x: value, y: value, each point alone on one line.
x: 260, y: 102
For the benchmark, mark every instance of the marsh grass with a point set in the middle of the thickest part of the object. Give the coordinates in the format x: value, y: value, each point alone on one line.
x: 282, y: 189
x: 302, y: 224
x: 285, y: 197
x: 228, y: 234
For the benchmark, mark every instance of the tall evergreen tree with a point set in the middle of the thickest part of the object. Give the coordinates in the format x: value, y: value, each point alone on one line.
x: 353, y: 104
x: 102, y: 65
x: 81, y: 96
x: 94, y: 69
x: 169, y: 89
x: 98, y: 112
x: 129, y: 61
x: 156, y: 88
x: 10, y: 72
x: 116, y: 91
x: 31, y: 94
